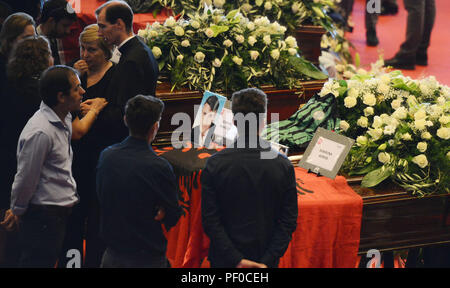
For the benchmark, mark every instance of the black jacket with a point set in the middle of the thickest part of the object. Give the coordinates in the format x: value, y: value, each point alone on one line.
x: 249, y: 206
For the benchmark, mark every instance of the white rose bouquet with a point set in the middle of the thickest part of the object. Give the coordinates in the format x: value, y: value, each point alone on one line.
x: 401, y: 127
x: 213, y: 51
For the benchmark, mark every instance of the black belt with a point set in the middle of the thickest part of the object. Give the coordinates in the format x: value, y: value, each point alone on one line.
x: 51, y: 209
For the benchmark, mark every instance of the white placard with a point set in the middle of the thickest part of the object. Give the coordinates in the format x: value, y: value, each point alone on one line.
x: 325, y: 153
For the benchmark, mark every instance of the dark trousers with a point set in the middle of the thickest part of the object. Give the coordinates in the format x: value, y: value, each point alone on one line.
x: 421, y: 16
x: 114, y: 259
x: 41, y: 235
x: 370, y: 19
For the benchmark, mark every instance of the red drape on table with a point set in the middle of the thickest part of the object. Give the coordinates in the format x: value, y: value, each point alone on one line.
x: 328, y: 226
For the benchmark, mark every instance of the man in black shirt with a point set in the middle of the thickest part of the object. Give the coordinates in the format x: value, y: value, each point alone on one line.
x: 137, y: 192
x: 249, y: 200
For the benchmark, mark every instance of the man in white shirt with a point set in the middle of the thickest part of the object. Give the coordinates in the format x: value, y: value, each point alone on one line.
x: 44, y: 189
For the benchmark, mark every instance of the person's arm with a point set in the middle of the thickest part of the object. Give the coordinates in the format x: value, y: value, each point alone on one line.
x: 286, y: 223
x: 31, y: 156
x: 81, y: 126
x: 211, y: 218
x: 169, y: 210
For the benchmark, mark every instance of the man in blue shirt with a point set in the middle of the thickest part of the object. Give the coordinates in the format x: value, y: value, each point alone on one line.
x: 137, y: 192
x: 44, y: 189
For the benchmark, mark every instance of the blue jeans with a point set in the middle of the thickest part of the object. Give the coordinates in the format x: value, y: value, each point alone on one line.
x: 114, y: 259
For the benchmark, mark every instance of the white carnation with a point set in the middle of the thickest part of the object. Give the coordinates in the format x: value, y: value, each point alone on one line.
x: 240, y: 39
x: 251, y: 26
x: 170, y: 22
x: 444, y: 119
x: 268, y: 5
x: 251, y: 40
x: 254, y: 54
x: 397, y: 103
x: 420, y: 124
x: 275, y: 54
x: 227, y: 43
x: 237, y: 60
x: 421, y: 114
x: 217, y: 63
x: 180, y: 57
x: 291, y: 42
x: 209, y: 32
x: 267, y: 40
x: 389, y: 129
x: 400, y: 113
x: 292, y: 51
x: 406, y: 137
x: 185, y: 43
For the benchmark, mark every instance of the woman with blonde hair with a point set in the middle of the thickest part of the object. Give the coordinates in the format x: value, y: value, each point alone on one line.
x: 96, y: 71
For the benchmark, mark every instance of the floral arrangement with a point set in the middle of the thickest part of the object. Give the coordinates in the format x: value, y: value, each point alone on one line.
x: 401, y: 127
x: 290, y: 13
x: 213, y: 51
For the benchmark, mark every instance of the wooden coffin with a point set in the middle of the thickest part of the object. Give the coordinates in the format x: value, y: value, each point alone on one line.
x: 285, y: 102
x: 393, y: 219
x: 308, y: 39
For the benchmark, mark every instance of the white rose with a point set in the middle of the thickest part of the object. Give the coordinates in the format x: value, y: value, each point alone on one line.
x: 426, y: 135
x: 275, y: 54
x: 352, y: 92
x: 375, y: 133
x: 180, y: 57
x: 199, y: 57
x: 362, y: 140
x: 384, y: 157
x: 369, y: 99
x: 254, y: 54
x: 251, y: 26
x: 185, y: 43
x: 291, y: 42
x: 170, y: 22
x: 420, y: 124
x: 363, y: 122
x: 179, y: 31
x: 350, y: 102
x: 343, y: 125
x: 443, y: 133
x: 400, y: 113
x: 444, y: 119
x: 240, y: 39
x: 368, y: 111
x: 219, y: 3
x: 153, y: 34
x: 209, y: 32
x: 406, y: 137
x: 421, y: 114
x: 395, y: 104
x: 377, y: 122
x: 295, y: 7
x: 195, y: 24
x: 143, y: 33
x: 421, y: 160
x: 246, y: 8
x: 422, y: 146
x: 251, y: 40
x: 156, y: 52
x: 237, y: 60
x: 227, y: 43
x: 292, y: 51
x: 217, y: 63
x: 267, y: 40
x: 268, y: 5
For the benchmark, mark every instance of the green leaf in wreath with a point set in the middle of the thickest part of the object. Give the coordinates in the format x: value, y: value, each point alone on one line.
x: 377, y: 176
x: 218, y: 29
x: 306, y: 68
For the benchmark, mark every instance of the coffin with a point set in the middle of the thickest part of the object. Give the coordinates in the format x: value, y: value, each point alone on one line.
x: 308, y: 39
x: 285, y: 102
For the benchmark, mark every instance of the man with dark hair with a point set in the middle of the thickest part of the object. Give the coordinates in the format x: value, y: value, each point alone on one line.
x: 44, y: 189
x: 137, y: 191
x: 249, y: 203
x: 56, y: 18
x: 136, y: 71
